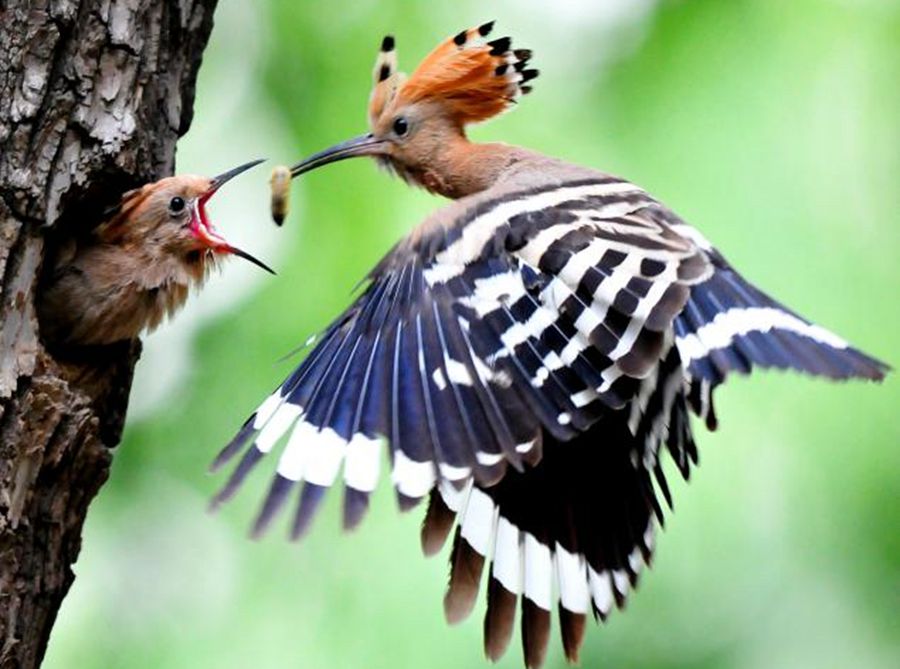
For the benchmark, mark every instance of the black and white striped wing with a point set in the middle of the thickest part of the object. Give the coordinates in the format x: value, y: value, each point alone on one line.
x: 572, y: 534
x: 536, y: 310
x: 575, y: 532
x: 728, y: 325
x: 561, y: 331
x: 578, y: 285
x: 398, y: 367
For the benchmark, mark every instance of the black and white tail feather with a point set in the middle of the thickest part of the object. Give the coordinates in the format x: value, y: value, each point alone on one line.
x: 525, y: 366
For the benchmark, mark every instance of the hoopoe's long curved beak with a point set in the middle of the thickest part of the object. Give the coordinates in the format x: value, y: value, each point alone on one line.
x: 364, y: 145
x: 204, y: 231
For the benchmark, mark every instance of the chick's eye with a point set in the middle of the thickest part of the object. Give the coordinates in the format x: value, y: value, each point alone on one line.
x: 176, y: 205
x: 401, y: 127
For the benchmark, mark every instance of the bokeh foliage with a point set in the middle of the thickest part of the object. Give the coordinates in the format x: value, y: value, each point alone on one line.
x: 773, y: 126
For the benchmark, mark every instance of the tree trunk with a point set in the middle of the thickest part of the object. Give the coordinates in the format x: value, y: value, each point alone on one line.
x: 93, y: 96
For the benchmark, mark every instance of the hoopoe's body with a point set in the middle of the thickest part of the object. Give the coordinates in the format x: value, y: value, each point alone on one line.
x: 136, y: 267
x: 526, y: 353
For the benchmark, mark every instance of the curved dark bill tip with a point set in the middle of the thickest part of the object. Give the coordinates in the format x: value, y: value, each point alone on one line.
x: 233, y: 250
x: 364, y: 145
x: 218, y: 181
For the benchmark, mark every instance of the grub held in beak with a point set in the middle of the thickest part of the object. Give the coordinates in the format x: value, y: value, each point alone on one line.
x: 204, y: 231
x: 364, y: 145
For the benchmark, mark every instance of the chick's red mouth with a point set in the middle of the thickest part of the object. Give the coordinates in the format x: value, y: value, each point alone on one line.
x: 204, y: 231
x: 206, y: 235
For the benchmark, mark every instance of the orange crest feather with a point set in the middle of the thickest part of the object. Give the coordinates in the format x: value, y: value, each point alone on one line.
x: 385, y: 80
x: 473, y: 78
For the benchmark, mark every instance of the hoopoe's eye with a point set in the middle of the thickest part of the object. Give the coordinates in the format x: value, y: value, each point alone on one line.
x: 401, y: 126
x: 176, y: 205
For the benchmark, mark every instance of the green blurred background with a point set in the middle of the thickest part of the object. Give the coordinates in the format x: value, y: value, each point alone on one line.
x: 773, y: 126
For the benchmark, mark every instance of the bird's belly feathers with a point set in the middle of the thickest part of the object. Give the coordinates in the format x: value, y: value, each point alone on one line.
x: 76, y: 309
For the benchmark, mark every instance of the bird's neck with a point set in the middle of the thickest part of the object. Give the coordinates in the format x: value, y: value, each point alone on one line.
x: 462, y: 167
x: 150, y: 267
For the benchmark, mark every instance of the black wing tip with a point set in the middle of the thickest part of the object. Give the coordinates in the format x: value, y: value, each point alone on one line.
x: 356, y: 503
x: 219, y: 500
x: 835, y: 364
x: 499, y: 620
x: 851, y: 363
x: 222, y: 497
x: 234, y: 446
x: 406, y: 502
x: 854, y: 366
x: 215, y: 504
x: 436, y: 525
x: 279, y: 490
x: 311, y: 497
x: 572, y: 629
x: 251, y: 457
x: 466, y: 565
x: 535, y: 625
x: 876, y: 370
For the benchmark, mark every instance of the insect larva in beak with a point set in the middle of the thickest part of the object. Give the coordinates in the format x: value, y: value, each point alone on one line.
x: 280, y: 183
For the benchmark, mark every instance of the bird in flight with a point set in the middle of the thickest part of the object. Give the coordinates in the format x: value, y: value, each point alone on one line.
x: 525, y: 355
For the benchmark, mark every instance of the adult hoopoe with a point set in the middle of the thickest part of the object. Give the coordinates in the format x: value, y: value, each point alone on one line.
x: 525, y: 353
x: 137, y: 266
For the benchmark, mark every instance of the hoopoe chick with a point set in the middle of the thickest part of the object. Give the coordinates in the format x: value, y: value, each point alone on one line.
x: 137, y: 266
x: 526, y: 354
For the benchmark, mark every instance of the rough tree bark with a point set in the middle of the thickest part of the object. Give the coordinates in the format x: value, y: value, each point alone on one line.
x: 93, y: 96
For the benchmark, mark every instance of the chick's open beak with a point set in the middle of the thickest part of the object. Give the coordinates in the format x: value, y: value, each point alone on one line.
x: 204, y: 231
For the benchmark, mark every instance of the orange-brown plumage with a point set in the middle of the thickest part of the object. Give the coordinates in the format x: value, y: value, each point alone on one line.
x: 464, y: 77
x: 471, y: 78
x: 418, y: 123
x: 136, y: 267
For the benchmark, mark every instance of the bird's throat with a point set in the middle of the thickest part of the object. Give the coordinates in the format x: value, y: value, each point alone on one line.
x: 464, y: 168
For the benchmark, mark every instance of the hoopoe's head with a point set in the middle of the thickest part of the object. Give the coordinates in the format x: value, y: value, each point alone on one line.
x: 417, y: 123
x: 169, y: 216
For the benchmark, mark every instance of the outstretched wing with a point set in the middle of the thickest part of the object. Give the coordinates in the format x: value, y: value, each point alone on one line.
x: 583, y: 312
x: 728, y: 325
x: 536, y: 310
x: 583, y: 520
